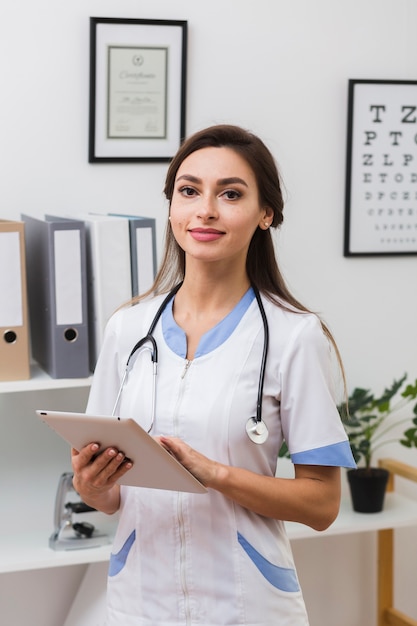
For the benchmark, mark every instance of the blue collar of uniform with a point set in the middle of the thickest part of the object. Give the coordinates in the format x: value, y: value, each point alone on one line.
x: 213, y: 338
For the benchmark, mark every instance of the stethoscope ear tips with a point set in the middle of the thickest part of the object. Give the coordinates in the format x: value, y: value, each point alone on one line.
x: 256, y: 430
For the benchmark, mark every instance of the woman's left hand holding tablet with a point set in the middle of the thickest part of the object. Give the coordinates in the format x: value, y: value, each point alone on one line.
x: 96, y: 475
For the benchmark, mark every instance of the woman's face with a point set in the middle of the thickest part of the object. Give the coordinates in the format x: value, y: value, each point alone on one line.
x: 215, y: 206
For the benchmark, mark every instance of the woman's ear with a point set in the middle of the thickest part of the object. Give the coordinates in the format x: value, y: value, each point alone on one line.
x: 267, y: 219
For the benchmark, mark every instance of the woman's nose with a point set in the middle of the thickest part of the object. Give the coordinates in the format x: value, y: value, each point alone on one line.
x: 207, y: 208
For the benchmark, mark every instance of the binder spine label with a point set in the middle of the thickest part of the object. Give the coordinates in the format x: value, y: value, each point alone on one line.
x: 11, y: 310
x: 145, y: 269
x: 68, y: 279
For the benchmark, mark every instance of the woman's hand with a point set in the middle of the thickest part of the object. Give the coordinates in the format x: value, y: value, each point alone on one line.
x: 204, y: 469
x: 96, y: 475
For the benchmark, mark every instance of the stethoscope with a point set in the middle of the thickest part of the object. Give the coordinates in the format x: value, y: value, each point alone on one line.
x: 256, y: 428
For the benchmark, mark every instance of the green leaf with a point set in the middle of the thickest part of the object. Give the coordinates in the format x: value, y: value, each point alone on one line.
x: 406, y: 443
x: 369, y: 418
x: 359, y: 399
x: 390, y: 392
x: 411, y: 437
x: 410, y: 391
x: 284, y: 453
x: 383, y: 407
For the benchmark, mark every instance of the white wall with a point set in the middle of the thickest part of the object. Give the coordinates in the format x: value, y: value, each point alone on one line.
x: 281, y: 69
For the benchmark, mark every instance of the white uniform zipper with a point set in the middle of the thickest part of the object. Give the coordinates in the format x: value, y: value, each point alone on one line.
x: 180, y: 513
x: 183, y: 559
x: 187, y: 365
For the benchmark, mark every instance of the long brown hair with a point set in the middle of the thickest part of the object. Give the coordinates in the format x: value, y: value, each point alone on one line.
x: 261, y: 263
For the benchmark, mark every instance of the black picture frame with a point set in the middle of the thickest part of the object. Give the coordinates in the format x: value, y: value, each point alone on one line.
x: 138, y: 71
x: 381, y: 168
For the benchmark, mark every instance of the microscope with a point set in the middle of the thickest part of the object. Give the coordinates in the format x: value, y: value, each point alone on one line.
x: 72, y: 532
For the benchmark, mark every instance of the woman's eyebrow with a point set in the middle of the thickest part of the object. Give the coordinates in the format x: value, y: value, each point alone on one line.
x: 232, y: 180
x: 189, y: 178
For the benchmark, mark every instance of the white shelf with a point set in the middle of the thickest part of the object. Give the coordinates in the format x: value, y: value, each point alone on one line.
x: 30, y: 551
x: 39, y: 381
x: 399, y: 511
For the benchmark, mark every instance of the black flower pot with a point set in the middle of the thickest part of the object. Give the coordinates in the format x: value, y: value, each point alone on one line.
x: 367, y: 489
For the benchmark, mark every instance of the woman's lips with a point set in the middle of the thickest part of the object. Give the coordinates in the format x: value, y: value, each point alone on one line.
x: 205, y: 234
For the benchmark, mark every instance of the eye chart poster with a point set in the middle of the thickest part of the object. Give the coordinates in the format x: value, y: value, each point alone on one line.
x: 381, y: 171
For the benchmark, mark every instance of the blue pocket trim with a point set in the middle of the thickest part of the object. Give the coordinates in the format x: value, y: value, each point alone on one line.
x: 118, y: 561
x: 282, y: 578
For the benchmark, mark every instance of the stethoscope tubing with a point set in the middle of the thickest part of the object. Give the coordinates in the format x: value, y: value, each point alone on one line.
x: 154, y: 355
x: 264, y: 356
x: 256, y: 429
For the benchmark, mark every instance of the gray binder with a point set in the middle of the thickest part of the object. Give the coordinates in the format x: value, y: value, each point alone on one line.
x: 57, y: 290
x: 142, y: 232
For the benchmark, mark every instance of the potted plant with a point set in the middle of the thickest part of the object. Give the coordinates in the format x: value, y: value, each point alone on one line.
x: 369, y: 421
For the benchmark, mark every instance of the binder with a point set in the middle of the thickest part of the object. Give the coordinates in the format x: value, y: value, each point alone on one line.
x: 142, y: 251
x: 14, y: 325
x: 108, y: 271
x: 57, y: 289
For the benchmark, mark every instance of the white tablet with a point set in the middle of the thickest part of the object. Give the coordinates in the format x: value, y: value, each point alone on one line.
x: 153, y: 466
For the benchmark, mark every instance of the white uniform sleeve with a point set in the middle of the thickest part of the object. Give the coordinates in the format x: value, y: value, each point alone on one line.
x: 310, y: 420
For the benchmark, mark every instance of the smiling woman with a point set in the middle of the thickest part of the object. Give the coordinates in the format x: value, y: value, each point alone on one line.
x: 215, y: 199
x: 228, y: 323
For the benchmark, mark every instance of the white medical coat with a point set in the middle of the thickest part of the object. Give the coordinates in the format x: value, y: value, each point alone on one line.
x: 184, y: 559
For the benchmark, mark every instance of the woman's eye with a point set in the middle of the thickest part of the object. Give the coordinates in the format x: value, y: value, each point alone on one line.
x: 187, y: 191
x: 231, y: 194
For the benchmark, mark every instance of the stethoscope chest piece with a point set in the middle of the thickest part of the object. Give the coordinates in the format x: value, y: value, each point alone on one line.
x: 256, y: 430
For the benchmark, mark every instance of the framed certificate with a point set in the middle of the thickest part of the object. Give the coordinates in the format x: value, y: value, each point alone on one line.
x: 381, y: 168
x: 137, y: 89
